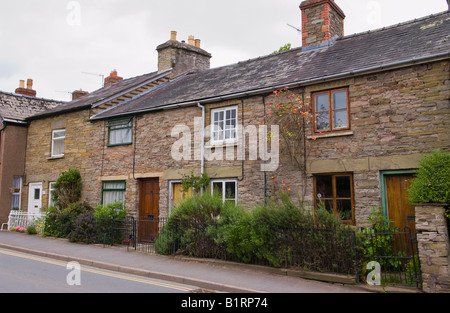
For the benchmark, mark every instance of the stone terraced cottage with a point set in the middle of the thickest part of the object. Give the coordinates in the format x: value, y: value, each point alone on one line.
x: 14, y: 109
x: 379, y: 100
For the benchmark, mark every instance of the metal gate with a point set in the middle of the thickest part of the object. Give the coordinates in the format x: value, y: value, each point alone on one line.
x: 397, y: 253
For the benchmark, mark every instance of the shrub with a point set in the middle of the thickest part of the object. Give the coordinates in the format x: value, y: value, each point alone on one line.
x: 203, y: 226
x: 191, y: 227
x: 60, y: 223
x: 67, y: 189
x: 31, y: 230
x: 114, y: 210
x: 84, y: 228
x: 432, y: 184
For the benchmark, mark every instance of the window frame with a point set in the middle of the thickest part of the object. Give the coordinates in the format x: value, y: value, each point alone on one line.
x: 16, y: 193
x: 123, y: 123
x: 331, y: 111
x: 224, y: 110
x: 124, y: 189
x: 224, y: 181
x: 51, y: 189
x: 334, y: 197
x: 62, y: 138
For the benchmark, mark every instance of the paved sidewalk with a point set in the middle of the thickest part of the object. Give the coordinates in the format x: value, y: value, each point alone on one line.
x: 218, y: 276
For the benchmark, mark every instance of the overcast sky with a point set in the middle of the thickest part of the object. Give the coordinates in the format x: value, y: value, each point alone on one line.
x: 55, y: 41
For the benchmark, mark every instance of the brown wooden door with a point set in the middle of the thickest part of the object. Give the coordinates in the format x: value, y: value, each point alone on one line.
x: 400, y: 211
x: 148, y: 209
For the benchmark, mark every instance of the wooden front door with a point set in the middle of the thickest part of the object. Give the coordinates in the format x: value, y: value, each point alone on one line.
x: 399, y: 210
x: 148, y: 209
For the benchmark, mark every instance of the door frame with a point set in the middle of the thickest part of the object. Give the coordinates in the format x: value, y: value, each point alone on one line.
x: 32, y: 187
x: 383, y: 175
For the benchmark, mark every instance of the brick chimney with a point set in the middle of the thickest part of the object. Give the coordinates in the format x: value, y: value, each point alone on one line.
x: 182, y: 57
x: 321, y: 21
x: 112, y: 78
x: 78, y: 94
x: 26, y: 91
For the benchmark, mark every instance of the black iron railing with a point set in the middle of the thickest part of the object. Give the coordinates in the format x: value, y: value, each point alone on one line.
x: 397, y: 254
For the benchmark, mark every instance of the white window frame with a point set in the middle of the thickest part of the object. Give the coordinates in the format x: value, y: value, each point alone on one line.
x: 224, y: 181
x: 51, y: 189
x: 62, y: 138
x: 16, y: 193
x: 223, y: 131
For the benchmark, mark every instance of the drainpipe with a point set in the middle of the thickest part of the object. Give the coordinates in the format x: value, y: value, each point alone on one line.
x: 203, y: 136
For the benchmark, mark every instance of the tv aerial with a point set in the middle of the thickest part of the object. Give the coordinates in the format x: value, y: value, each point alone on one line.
x: 94, y: 74
x: 297, y: 29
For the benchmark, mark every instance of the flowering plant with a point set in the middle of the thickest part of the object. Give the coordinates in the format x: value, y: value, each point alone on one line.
x: 19, y: 229
x: 292, y: 112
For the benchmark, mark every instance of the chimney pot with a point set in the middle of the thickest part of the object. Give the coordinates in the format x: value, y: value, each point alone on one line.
x: 22, y: 84
x: 197, y: 43
x: 173, y: 35
x: 191, y: 40
x: 29, y: 83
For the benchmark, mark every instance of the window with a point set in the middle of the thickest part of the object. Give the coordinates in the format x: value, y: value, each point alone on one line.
x: 16, y: 190
x: 51, y: 189
x: 58, y: 138
x: 120, y: 132
x: 224, y: 125
x: 227, y: 189
x: 335, y: 193
x: 331, y: 110
x: 113, y: 191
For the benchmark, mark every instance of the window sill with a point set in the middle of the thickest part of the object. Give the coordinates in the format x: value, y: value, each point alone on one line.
x: 333, y: 134
x: 119, y: 144
x: 55, y: 157
x: 221, y: 145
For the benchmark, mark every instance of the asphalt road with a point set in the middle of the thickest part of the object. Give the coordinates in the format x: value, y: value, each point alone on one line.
x: 24, y: 273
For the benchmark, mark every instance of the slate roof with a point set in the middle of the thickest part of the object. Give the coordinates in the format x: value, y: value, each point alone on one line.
x: 16, y: 108
x: 374, y: 50
x: 101, y: 95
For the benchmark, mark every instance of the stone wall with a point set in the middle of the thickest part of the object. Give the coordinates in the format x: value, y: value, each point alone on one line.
x: 433, y: 245
x: 396, y: 116
x: 81, y: 138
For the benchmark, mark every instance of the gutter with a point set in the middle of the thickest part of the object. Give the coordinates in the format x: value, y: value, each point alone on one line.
x: 364, y: 71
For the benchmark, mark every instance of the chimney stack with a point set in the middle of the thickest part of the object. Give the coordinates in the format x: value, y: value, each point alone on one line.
x: 182, y: 57
x: 112, y: 78
x: 26, y: 91
x: 78, y: 94
x: 321, y: 21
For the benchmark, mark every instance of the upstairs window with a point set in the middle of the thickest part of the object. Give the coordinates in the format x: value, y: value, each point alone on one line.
x: 224, y: 125
x: 58, y: 138
x: 120, y: 132
x: 331, y: 110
